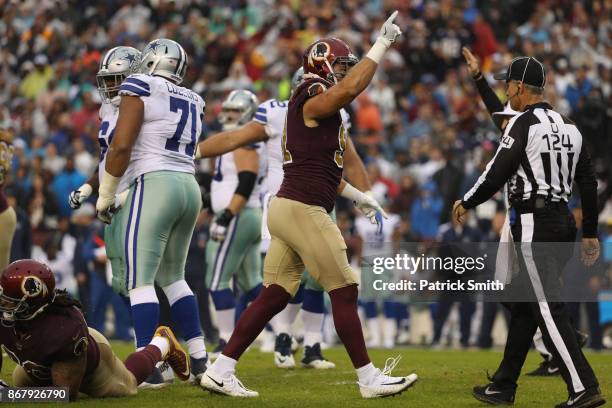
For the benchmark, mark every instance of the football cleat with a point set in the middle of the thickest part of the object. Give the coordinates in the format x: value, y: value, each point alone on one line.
x: 283, y: 357
x: 295, y: 345
x: 218, y: 350
x: 589, y: 398
x: 176, y: 357
x: 229, y: 385
x: 161, y: 377
x: 546, y: 369
x: 198, y: 367
x: 493, y: 394
x: 383, y: 385
x: 313, y: 358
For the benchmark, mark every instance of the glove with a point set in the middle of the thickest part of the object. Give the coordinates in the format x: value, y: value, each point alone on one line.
x: 3, y: 384
x: 78, y: 196
x: 388, y: 34
x: 366, y: 204
x: 218, y: 228
x: 105, y: 206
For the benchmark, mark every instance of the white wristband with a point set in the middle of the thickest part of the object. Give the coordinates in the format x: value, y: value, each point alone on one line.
x: 109, y: 184
x: 85, y: 190
x: 352, y: 193
x: 378, y: 49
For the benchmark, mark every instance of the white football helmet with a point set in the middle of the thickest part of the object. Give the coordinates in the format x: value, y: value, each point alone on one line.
x: 165, y: 58
x: 117, y: 64
x: 298, y: 77
x: 242, y: 101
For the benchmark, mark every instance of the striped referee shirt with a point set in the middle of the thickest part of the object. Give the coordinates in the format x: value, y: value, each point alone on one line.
x: 540, y: 154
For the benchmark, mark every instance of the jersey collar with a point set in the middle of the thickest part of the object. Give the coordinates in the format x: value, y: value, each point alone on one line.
x: 541, y: 105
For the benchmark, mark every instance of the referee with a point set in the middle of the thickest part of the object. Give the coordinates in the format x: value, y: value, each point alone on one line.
x: 539, y: 156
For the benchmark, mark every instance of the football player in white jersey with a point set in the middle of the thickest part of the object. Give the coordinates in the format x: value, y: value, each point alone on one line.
x: 232, y: 251
x: 267, y: 125
x: 152, y: 149
x: 374, y: 242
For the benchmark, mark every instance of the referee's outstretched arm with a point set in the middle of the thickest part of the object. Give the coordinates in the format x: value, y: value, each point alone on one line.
x: 503, y: 165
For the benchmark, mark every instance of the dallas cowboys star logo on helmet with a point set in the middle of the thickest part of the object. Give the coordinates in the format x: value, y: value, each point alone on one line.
x: 130, y: 57
x: 154, y: 45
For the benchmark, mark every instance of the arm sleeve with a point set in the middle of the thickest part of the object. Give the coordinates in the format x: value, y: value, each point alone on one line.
x: 501, y: 167
x: 587, y: 185
x: 489, y: 97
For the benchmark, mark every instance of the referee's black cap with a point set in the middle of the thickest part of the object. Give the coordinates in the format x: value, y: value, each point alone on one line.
x: 528, y: 70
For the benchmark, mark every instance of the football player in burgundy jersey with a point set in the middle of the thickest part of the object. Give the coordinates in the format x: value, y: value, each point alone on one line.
x: 44, y: 332
x: 303, y: 233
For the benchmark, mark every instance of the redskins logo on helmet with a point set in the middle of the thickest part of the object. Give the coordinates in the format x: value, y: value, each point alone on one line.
x: 32, y: 286
x: 319, y: 52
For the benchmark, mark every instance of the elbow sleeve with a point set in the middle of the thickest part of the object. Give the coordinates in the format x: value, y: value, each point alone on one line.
x: 246, y: 183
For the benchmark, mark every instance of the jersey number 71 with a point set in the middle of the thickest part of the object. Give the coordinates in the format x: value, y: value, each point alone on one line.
x: 178, y: 104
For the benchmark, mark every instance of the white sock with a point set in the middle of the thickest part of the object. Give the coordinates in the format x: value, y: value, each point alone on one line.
x: 162, y: 343
x: 281, y: 322
x: 224, y: 366
x: 374, y: 330
x: 366, y: 373
x: 225, y: 322
x: 389, y: 331
x: 313, y: 326
x: 196, y: 347
x: 292, y: 311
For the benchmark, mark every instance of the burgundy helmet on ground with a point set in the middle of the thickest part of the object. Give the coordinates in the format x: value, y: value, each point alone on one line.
x: 26, y: 288
x: 320, y: 57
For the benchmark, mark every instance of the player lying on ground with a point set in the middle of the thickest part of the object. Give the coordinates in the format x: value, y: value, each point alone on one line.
x: 313, y: 144
x: 267, y: 126
x: 43, y: 330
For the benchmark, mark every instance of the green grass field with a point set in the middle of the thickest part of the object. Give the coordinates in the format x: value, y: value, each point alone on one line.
x: 445, y: 380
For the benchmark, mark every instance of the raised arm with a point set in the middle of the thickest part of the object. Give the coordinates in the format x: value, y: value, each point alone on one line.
x: 487, y: 94
x: 354, y: 168
x: 330, y: 101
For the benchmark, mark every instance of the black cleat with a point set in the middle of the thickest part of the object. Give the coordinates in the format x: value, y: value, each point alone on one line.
x: 589, y: 398
x: 313, y: 358
x: 283, y: 356
x: 492, y: 394
x: 546, y: 369
x: 198, y: 367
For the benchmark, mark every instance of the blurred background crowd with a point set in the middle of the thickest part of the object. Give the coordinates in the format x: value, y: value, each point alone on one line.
x: 420, y: 127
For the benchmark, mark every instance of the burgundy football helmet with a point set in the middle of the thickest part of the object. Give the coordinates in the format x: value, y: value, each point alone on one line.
x: 320, y: 57
x: 26, y: 288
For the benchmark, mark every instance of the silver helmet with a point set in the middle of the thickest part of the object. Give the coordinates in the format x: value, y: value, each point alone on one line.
x: 165, y: 58
x: 117, y: 64
x: 297, y: 78
x: 240, y: 100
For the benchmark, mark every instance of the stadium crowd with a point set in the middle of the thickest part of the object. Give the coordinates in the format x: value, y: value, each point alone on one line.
x: 420, y: 128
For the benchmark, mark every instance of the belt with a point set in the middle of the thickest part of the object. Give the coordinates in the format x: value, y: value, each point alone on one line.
x: 537, y: 203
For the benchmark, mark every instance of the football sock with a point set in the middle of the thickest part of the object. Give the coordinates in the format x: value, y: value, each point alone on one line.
x: 366, y: 373
x: 184, y: 310
x: 313, y: 324
x: 142, y: 363
x: 271, y: 300
x: 162, y: 344
x: 389, y: 331
x: 225, y: 305
x: 145, y: 314
x: 374, y: 330
x: 348, y: 326
x: 224, y: 366
x: 196, y: 347
x: 370, y: 310
x: 313, y: 301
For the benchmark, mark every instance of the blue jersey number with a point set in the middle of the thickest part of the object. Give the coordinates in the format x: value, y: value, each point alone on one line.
x: 102, y: 141
x: 218, y: 176
x: 178, y: 104
x: 280, y: 104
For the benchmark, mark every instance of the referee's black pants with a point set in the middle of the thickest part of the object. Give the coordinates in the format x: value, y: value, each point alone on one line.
x: 540, y: 266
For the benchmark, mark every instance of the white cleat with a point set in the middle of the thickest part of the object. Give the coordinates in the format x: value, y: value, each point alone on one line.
x: 230, y: 385
x: 284, y: 361
x: 383, y: 385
